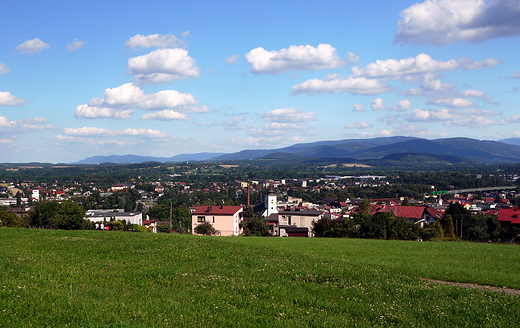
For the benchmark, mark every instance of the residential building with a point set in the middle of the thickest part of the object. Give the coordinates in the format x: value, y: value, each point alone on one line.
x: 226, y: 219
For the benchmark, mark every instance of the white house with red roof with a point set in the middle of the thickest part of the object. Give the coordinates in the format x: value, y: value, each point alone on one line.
x: 226, y: 219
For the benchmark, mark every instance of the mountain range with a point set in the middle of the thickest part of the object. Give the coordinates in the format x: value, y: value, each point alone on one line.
x: 389, y: 148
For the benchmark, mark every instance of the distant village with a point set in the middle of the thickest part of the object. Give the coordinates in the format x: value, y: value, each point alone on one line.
x: 284, y: 215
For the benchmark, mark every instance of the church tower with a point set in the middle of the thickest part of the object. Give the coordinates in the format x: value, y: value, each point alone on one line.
x: 270, y: 203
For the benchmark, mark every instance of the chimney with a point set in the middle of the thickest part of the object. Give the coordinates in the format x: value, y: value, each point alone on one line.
x: 209, y: 208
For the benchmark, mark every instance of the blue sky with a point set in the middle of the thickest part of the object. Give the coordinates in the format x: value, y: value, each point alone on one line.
x: 162, y: 78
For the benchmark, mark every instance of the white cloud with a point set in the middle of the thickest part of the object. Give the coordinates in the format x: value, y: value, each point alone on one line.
x: 154, y: 40
x: 32, y: 46
x: 515, y: 76
x: 165, y: 115
x: 102, y: 132
x: 452, y: 102
x: 377, y: 104
x: 76, y: 44
x: 4, y: 69
x: 23, y: 125
x: 358, y: 108
x: 472, y: 93
x: 458, y: 117
x: 294, y: 58
x: 404, y: 104
x: 86, y: 111
x: 352, y: 58
x: 421, y: 64
x: 440, y: 22
x: 355, y: 86
x: 289, y: 115
x: 359, y: 125
x: 232, y: 59
x: 131, y: 96
x: 162, y: 65
x: 185, y: 34
x: 7, y: 99
x: 471, y: 64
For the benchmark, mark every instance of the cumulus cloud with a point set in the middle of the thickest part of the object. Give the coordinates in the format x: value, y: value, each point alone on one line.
x: 76, y: 45
x: 165, y: 115
x: 289, y: 115
x: 232, y: 59
x: 515, y: 76
x: 32, y: 46
x: 404, y: 104
x: 359, y: 125
x: 470, y: 64
x: 162, y: 65
x: 102, y: 132
x: 119, y: 102
x: 86, y: 111
x: 23, y: 125
x: 377, y: 104
x: 338, y: 84
x: 460, y: 117
x: 7, y: 99
x: 430, y: 86
x: 452, y: 102
x: 358, y: 108
x: 4, y: 69
x: 154, y: 40
x: 439, y: 22
x: 472, y: 93
x: 294, y: 58
x: 421, y: 64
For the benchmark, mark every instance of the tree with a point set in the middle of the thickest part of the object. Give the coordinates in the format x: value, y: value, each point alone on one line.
x: 70, y: 216
x: 365, y: 208
x: 9, y: 219
x: 256, y: 226
x: 206, y: 229
x: 449, y: 230
x: 325, y: 227
x: 43, y: 213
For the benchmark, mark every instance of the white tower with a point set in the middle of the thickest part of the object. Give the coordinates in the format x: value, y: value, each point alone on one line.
x: 270, y: 203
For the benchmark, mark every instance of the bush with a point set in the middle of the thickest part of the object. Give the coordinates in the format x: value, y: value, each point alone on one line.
x: 206, y: 229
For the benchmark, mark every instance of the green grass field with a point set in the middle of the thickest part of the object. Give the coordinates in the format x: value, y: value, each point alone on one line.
x: 92, y: 278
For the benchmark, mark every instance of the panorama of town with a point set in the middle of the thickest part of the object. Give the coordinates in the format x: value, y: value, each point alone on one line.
x: 227, y: 200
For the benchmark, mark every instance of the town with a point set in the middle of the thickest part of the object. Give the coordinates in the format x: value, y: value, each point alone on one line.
x: 229, y: 200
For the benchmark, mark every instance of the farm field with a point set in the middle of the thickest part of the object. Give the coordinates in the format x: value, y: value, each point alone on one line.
x: 92, y: 278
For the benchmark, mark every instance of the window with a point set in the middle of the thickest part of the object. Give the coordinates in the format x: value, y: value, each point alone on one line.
x: 289, y: 220
x: 213, y: 219
x: 201, y: 219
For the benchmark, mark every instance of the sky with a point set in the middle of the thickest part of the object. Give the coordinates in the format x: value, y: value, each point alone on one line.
x: 162, y: 78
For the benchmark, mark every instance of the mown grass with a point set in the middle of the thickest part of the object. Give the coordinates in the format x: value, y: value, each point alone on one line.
x: 91, y: 279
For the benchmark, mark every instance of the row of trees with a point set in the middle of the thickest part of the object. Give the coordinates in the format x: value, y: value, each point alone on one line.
x: 67, y: 215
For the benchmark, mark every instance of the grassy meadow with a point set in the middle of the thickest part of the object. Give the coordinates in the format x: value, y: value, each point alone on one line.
x: 114, y: 279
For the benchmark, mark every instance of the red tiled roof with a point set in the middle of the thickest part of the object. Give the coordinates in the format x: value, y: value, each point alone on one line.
x: 216, y: 210
x: 509, y: 215
x: 410, y: 212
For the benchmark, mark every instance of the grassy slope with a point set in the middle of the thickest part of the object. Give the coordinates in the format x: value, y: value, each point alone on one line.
x: 59, y: 278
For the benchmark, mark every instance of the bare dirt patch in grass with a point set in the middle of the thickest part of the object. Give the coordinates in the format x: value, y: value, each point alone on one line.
x: 508, y: 291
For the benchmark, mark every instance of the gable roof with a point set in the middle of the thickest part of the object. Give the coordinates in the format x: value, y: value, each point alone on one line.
x: 509, y: 215
x: 409, y: 212
x: 216, y: 210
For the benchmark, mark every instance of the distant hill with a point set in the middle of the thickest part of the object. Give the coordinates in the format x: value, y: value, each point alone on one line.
x: 128, y: 159
x: 478, y: 151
